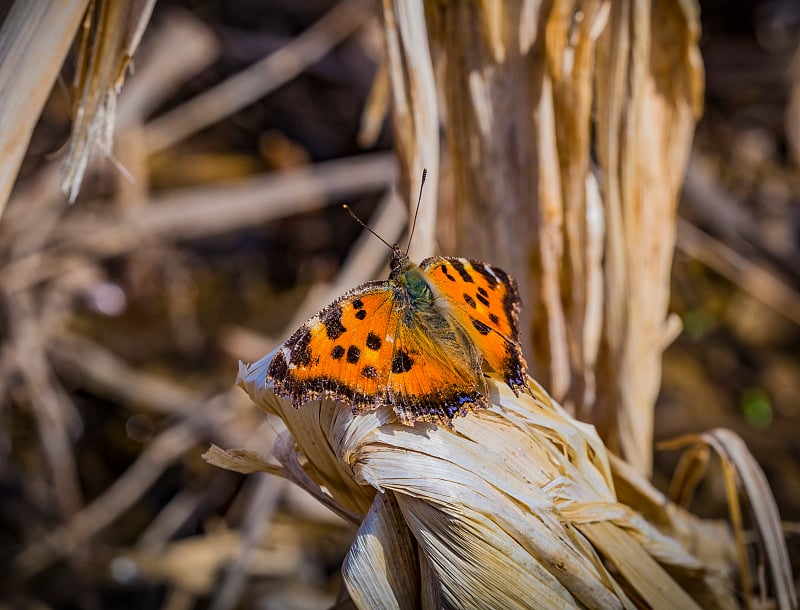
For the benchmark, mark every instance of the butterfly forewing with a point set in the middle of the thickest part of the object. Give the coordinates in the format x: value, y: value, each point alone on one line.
x: 341, y: 352
x: 485, y: 300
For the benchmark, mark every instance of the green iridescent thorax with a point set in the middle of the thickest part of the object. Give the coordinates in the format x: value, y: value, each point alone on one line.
x: 417, y: 288
x: 413, y: 289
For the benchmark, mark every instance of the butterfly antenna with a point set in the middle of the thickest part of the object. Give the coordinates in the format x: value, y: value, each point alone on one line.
x: 416, y: 212
x: 361, y: 222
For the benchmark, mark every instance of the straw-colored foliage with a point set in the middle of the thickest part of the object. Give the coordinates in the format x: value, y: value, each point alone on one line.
x: 109, y: 36
x: 34, y: 40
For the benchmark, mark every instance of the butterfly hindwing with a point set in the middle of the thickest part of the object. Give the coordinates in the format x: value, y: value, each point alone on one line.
x: 485, y: 300
x: 435, y: 372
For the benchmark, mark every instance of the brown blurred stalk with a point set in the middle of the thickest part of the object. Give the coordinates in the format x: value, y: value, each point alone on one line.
x: 567, y: 127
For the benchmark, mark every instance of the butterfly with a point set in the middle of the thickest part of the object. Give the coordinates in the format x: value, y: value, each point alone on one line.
x: 417, y: 342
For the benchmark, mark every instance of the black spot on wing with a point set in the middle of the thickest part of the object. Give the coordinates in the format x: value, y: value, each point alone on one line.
x: 482, y: 291
x: 369, y: 372
x: 481, y: 327
x: 300, y: 352
x: 470, y: 301
x: 515, y: 368
x: 373, y: 342
x: 337, y: 352
x: 332, y: 320
x: 459, y: 267
x: 278, y: 368
x: 361, y: 314
x: 353, y: 354
x: 401, y: 362
x: 358, y: 304
x: 482, y: 299
x: 443, y: 269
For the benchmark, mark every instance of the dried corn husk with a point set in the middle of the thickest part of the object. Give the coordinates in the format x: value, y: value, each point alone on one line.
x: 514, y: 506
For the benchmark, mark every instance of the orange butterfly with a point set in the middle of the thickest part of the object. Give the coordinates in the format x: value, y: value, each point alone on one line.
x: 416, y: 341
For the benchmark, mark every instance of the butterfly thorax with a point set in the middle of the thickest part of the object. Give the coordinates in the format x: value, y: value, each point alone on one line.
x: 413, y: 291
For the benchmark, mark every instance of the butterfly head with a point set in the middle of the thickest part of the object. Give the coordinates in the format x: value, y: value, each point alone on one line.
x: 410, y: 280
x: 398, y: 262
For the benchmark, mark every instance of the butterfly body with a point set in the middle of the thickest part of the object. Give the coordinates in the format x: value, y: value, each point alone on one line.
x: 417, y: 342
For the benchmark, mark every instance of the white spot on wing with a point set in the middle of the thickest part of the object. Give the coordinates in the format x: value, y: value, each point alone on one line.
x: 488, y: 270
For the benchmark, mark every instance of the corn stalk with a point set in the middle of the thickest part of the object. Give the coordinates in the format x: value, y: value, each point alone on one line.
x: 567, y: 128
x: 556, y: 118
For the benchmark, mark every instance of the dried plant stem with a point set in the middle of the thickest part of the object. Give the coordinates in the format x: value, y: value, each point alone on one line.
x: 128, y: 488
x: 34, y: 41
x: 176, y: 51
x: 96, y: 367
x: 533, y: 93
x: 262, y: 505
x: 55, y: 415
x: 415, y: 113
x: 741, y: 475
x: 213, y: 210
x: 108, y: 39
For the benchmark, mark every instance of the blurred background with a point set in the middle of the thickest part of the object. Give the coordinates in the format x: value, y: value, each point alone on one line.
x: 208, y: 235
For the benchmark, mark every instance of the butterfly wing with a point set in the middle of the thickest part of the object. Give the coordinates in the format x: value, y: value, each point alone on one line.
x: 341, y: 352
x: 367, y: 350
x: 435, y: 372
x: 485, y: 300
